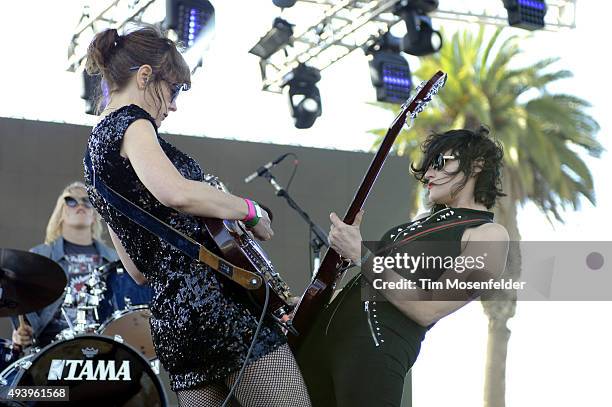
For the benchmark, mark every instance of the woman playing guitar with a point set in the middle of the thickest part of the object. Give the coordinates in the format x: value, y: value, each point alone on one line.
x: 202, y: 328
x: 360, y: 349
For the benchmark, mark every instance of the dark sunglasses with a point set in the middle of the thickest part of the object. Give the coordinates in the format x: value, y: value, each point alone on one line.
x: 440, y: 161
x: 176, y: 88
x: 74, y: 202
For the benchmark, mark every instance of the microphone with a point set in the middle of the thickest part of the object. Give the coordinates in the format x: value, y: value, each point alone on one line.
x: 263, y: 169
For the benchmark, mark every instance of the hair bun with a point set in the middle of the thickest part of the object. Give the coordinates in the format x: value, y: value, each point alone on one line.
x: 100, y: 50
x: 483, y: 130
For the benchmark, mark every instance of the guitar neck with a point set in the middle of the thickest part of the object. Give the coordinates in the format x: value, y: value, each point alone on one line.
x: 323, y: 283
x: 373, y: 171
x: 321, y: 288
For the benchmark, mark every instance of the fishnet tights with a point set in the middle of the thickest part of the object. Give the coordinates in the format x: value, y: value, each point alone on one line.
x: 274, y: 380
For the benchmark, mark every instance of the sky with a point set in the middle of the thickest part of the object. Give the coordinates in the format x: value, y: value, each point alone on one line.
x: 559, y: 353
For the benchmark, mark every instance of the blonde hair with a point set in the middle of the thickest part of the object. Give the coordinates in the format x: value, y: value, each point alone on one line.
x: 54, y: 227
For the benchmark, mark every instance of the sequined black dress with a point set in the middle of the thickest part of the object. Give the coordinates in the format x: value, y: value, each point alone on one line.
x: 201, y: 327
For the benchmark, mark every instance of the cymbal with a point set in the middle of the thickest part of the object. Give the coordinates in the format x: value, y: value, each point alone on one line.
x: 28, y: 282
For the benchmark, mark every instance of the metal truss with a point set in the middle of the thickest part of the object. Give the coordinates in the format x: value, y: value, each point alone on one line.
x: 97, y: 16
x: 343, y: 26
x: 337, y: 27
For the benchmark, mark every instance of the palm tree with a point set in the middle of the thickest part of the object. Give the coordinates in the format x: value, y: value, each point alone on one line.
x: 542, y: 136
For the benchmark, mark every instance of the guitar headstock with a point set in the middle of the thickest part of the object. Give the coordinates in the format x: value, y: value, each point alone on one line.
x: 423, y: 94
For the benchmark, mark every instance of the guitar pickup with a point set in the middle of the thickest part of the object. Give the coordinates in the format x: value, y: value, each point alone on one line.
x: 316, y: 286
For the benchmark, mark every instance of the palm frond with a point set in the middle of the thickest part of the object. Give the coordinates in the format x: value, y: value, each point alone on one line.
x: 540, y: 136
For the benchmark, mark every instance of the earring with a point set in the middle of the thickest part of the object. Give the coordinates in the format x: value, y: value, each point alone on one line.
x: 146, y: 81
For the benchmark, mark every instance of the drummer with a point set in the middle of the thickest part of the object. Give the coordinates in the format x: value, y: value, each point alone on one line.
x: 73, y: 240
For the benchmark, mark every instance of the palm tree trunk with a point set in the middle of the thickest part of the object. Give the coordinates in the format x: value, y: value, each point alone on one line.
x: 499, y: 309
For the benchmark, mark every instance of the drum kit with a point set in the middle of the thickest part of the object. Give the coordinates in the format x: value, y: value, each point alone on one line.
x: 110, y: 363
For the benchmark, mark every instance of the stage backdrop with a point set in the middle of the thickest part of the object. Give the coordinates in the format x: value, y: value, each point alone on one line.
x: 37, y: 159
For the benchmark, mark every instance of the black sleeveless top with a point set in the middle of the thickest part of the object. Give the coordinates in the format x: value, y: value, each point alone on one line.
x: 355, y: 314
x: 201, y: 327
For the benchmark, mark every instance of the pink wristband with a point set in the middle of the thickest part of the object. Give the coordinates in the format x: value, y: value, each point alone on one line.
x: 252, y: 212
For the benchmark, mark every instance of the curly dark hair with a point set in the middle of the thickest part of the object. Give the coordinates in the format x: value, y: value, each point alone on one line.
x: 471, y: 147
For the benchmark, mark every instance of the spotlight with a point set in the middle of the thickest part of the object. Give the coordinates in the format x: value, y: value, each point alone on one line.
x: 389, y: 71
x: 527, y: 14
x: 304, y: 96
x: 284, y: 3
x: 421, y: 39
x: 188, y: 18
x: 193, y: 22
x: 279, y: 36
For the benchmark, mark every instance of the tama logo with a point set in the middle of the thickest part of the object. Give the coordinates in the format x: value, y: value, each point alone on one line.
x: 75, y: 369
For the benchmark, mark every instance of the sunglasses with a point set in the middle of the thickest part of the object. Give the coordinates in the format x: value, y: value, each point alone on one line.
x: 440, y: 161
x: 175, y: 88
x: 74, y: 202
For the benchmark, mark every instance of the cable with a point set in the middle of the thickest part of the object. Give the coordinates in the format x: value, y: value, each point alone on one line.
x: 295, y: 166
x: 246, y: 359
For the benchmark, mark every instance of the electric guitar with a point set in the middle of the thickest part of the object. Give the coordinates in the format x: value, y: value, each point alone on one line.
x: 321, y: 288
x: 237, y: 246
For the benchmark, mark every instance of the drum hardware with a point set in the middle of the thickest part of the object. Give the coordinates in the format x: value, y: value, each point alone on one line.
x: 155, y: 365
x: 24, y: 364
x: 86, y: 302
x: 65, y: 335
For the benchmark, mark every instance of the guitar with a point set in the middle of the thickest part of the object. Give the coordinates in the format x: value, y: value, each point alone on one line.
x: 241, y: 259
x: 321, y: 288
x: 237, y: 246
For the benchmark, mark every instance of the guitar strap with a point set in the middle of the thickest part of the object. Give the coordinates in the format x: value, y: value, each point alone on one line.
x: 175, y: 238
x: 433, y: 228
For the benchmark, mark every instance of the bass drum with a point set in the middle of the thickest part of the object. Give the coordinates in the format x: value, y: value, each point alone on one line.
x: 132, y: 325
x: 97, y: 370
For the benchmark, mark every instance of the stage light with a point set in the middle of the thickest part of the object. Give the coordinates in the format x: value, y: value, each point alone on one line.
x: 420, y: 39
x: 188, y: 18
x: 279, y: 36
x: 193, y: 22
x: 527, y: 14
x: 389, y: 71
x: 304, y: 96
x: 284, y: 3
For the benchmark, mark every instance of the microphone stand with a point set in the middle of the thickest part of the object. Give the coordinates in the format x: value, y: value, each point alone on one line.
x: 318, y: 236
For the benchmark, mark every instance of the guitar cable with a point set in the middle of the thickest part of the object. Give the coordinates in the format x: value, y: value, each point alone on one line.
x: 246, y: 359
x: 295, y: 167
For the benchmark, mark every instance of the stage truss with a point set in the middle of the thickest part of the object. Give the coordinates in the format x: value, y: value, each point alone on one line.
x: 328, y: 30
